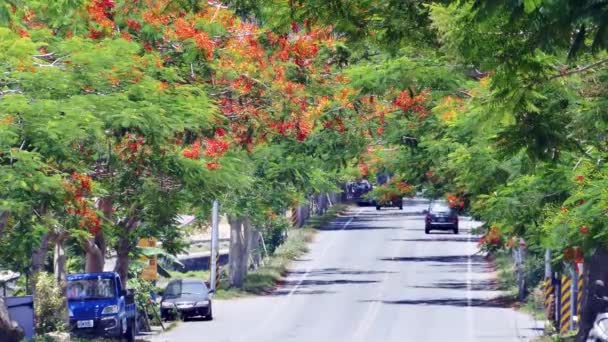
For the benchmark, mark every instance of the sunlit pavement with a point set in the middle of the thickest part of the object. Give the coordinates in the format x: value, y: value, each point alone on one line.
x: 375, y: 276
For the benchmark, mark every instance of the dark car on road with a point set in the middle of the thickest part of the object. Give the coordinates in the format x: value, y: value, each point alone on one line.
x: 395, y: 202
x: 440, y: 216
x: 186, y: 298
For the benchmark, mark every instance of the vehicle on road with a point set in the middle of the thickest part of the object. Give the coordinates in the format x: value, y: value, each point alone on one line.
x: 394, y: 202
x: 599, y: 332
x: 186, y: 298
x: 99, y: 306
x: 440, y: 216
x: 358, y: 191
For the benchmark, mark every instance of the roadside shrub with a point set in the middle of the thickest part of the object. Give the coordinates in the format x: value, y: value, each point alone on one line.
x: 49, y: 305
x: 275, y: 234
x: 143, y: 298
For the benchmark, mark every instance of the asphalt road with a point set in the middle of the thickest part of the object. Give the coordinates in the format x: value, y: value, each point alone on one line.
x: 374, y: 276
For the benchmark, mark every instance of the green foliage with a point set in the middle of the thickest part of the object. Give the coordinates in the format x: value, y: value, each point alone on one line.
x: 49, y: 305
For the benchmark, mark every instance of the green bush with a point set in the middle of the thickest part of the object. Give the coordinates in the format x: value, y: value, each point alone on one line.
x: 49, y: 305
x: 275, y: 233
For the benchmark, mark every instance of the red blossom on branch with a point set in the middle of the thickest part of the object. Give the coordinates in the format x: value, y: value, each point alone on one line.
x: 416, y: 104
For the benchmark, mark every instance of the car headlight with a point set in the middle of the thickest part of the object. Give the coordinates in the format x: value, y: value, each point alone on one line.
x: 167, y: 305
x: 202, y: 303
x: 111, y: 309
x: 71, y: 313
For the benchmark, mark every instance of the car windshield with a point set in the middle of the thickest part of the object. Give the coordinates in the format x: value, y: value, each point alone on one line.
x: 178, y: 289
x: 440, y: 208
x: 84, y: 289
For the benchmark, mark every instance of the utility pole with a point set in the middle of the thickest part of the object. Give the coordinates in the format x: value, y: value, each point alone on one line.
x: 548, y: 264
x: 215, y: 248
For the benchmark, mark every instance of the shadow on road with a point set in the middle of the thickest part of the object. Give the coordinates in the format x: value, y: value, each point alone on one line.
x: 319, y: 282
x: 441, y: 239
x: 355, y: 225
x: 440, y: 258
x: 336, y: 271
x: 478, y: 285
x: 498, y: 302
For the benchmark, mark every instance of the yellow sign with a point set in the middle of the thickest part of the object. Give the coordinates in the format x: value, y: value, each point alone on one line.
x: 150, y: 272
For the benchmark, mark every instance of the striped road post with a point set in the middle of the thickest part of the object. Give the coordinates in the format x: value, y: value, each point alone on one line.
x: 565, y: 304
x: 294, y: 217
x: 548, y: 291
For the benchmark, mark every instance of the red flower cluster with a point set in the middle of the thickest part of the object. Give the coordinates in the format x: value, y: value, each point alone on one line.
x: 194, y: 151
x: 574, y: 254
x: 216, y: 148
x: 492, y: 239
x: 77, y: 188
x: 416, y: 104
x: 130, y: 146
x: 584, y: 230
x: 185, y: 30
x: 100, y: 11
x: 364, y: 169
x: 455, y: 201
x: 134, y: 25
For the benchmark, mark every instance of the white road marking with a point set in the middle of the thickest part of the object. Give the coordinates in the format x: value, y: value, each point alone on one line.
x: 374, y: 307
x: 469, y: 279
x: 269, y: 318
x: 320, y: 257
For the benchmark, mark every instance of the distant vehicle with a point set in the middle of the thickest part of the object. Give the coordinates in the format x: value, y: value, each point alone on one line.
x: 395, y: 202
x: 187, y: 298
x: 99, y: 306
x: 359, y: 189
x: 440, y: 216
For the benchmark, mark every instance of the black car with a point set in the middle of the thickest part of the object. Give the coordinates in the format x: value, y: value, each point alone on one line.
x: 187, y: 298
x: 440, y: 216
x: 396, y: 202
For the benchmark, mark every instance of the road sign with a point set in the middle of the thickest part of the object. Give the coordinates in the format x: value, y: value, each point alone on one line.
x: 150, y: 272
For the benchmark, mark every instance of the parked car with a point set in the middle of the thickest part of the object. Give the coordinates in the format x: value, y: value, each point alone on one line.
x: 440, y: 216
x: 99, y: 306
x: 187, y: 298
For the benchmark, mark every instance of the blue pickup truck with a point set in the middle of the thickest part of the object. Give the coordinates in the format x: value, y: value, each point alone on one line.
x: 100, y: 306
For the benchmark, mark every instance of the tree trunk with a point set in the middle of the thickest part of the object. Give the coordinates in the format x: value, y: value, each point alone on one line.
x: 3, y: 220
x: 124, y: 249
x: 122, y: 259
x: 255, y: 248
x: 10, y: 331
x: 59, y: 260
x: 595, y: 269
x: 39, y: 255
x: 60, y: 272
x: 95, y: 247
x: 95, y: 256
x: 240, y: 235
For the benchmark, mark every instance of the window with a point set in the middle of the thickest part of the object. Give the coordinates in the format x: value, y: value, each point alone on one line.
x: 91, y: 289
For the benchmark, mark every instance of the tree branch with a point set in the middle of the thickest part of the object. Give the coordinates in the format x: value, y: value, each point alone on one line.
x: 579, y: 69
x: 9, y: 91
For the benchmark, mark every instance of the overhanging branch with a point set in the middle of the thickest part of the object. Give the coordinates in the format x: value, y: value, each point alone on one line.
x: 579, y: 69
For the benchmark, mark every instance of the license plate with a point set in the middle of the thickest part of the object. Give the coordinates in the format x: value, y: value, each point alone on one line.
x: 85, y: 324
x: 443, y: 219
